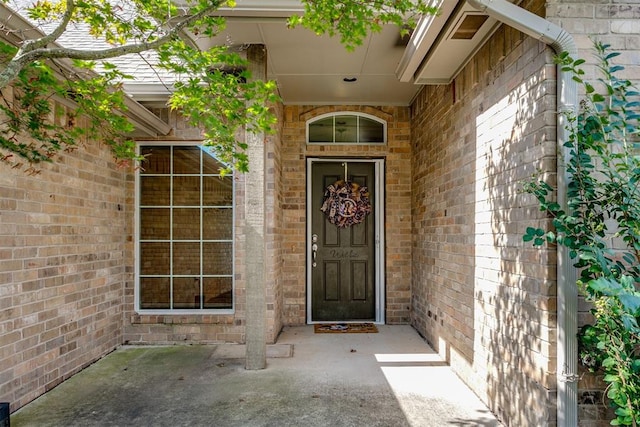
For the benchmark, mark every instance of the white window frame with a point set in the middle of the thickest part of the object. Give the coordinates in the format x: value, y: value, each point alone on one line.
x: 358, y: 115
x: 174, y: 311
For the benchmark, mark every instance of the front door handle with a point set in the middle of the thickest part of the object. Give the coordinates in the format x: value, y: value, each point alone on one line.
x: 314, y: 253
x: 314, y: 249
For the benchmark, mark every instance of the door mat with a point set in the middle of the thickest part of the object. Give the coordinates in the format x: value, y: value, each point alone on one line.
x: 345, y: 328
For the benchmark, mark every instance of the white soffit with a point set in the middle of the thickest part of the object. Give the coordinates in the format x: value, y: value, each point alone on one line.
x: 312, y: 69
x: 442, y: 45
x: 422, y: 38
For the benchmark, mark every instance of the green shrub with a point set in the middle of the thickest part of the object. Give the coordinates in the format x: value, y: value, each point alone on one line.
x: 601, y: 225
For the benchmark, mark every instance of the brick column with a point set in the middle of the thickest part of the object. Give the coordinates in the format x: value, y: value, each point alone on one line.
x: 256, y: 344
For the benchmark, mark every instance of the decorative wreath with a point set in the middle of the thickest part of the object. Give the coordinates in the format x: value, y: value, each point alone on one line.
x: 346, y: 203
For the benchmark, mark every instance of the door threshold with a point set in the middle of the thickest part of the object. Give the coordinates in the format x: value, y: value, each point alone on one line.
x: 326, y: 322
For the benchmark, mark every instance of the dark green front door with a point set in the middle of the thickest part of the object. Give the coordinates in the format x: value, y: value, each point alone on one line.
x: 343, y: 258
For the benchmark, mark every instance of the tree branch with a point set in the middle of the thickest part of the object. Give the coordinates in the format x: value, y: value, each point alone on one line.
x: 55, y: 34
x: 11, y: 72
x: 62, y: 52
x: 24, y: 56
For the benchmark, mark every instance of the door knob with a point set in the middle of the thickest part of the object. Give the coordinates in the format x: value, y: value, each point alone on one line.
x: 314, y: 250
x: 314, y: 254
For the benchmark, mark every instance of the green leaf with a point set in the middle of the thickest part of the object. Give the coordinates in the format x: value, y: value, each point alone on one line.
x: 610, y: 378
x: 630, y: 323
x: 7, y: 49
x: 623, y: 412
x: 605, y: 286
x: 631, y: 302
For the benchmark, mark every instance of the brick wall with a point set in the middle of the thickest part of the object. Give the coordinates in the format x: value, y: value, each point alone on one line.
x: 612, y: 22
x: 615, y: 23
x: 397, y: 153
x: 62, y: 269
x: 484, y: 299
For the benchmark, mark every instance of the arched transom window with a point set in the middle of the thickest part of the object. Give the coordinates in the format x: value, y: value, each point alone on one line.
x: 346, y: 128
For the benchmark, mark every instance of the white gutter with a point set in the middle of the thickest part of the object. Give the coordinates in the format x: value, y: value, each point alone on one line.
x: 567, y: 346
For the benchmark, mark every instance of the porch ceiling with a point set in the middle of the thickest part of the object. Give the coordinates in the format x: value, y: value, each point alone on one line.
x: 311, y: 69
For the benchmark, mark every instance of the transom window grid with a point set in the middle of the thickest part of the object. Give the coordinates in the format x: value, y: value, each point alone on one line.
x: 185, y: 231
x: 346, y: 129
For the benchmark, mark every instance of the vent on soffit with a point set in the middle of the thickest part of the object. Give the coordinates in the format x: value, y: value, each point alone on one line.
x: 468, y: 26
x: 464, y: 33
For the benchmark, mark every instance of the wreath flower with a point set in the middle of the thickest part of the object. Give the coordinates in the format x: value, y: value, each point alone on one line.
x: 346, y: 203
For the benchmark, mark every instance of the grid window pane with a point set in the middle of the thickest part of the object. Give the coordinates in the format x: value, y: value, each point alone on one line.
x: 217, y: 224
x: 217, y: 191
x: 157, y: 160
x: 154, y: 258
x: 346, y: 129
x: 155, y: 191
x: 155, y: 223
x: 216, y: 256
x: 186, y: 292
x: 186, y: 191
x: 186, y: 160
x: 155, y: 293
x: 186, y: 258
x: 186, y: 224
x: 321, y: 130
x: 185, y: 231
x: 218, y: 292
x: 371, y: 131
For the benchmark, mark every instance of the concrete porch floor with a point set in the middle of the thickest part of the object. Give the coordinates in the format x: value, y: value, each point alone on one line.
x: 392, y: 378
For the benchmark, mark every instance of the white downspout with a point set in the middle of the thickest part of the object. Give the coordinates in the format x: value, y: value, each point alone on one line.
x: 567, y: 346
